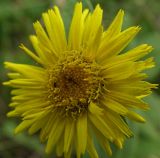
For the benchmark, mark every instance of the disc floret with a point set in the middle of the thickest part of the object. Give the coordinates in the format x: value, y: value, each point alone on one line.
x: 73, y: 83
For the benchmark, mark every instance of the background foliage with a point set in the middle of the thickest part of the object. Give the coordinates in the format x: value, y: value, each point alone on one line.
x: 16, y: 18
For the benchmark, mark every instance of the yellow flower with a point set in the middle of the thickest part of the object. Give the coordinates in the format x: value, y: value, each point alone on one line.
x: 81, y: 86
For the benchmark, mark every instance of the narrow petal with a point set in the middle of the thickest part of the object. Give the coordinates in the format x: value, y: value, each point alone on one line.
x: 55, y: 134
x: 134, y: 88
x: 131, y: 55
x: 76, y: 28
x: 26, y: 92
x: 119, y: 123
x: 44, y: 42
x: 115, y: 106
x: 146, y: 64
x: 14, y: 75
x: 21, y: 83
x: 94, y: 109
x: 82, y: 134
x: 31, y: 54
x: 45, y: 56
x: 134, y: 116
x: 40, y: 123
x: 128, y: 100
x: 91, y: 148
x: 115, y: 27
x: 68, y: 134
x: 101, y: 125
x: 119, y: 143
x: 27, y: 71
x: 60, y: 147
x: 119, y: 71
x: 93, y: 44
x: 116, y: 45
x: 24, y: 125
x: 92, y: 32
x: 55, y: 29
x: 103, y: 141
x: 68, y: 154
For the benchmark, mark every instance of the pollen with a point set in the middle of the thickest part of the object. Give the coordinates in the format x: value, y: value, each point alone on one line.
x: 72, y: 84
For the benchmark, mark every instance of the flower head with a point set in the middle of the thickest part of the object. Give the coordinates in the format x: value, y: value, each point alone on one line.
x: 81, y: 86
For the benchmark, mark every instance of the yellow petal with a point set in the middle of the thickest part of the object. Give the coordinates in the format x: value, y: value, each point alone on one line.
x: 93, y: 45
x: 134, y: 116
x: 27, y: 71
x: 76, y: 28
x: 20, y: 83
x: 131, y: 55
x: 119, y: 143
x: 68, y: 154
x: 128, y: 100
x: 94, y: 109
x: 115, y: 106
x: 12, y: 113
x: 101, y: 125
x: 55, y: 134
x: 68, y: 134
x: 119, y: 71
x: 119, y: 123
x: 22, y: 126
x: 115, y: 27
x: 116, y: 45
x: 31, y: 54
x: 146, y: 64
x: 136, y: 53
x: 102, y: 140
x: 44, y: 42
x: 91, y: 148
x: 46, y: 130
x: 46, y: 56
x: 55, y: 29
x: 14, y: 75
x: 131, y: 87
x: 81, y: 134
x: 92, y: 32
x: 60, y: 147
x: 40, y: 123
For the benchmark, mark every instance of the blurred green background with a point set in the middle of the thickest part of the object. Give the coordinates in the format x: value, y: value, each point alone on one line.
x: 16, y: 18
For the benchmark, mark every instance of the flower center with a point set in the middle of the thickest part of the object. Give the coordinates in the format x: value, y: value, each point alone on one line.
x: 73, y: 84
